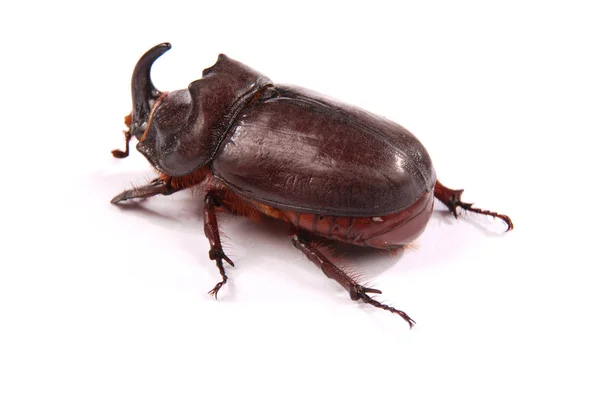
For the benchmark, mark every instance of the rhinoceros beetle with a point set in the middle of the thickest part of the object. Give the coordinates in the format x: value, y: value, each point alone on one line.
x: 329, y: 170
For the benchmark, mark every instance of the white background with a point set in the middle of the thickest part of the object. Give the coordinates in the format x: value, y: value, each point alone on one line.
x: 103, y: 303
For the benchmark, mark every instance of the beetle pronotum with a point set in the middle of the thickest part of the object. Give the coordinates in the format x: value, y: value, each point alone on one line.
x: 327, y: 169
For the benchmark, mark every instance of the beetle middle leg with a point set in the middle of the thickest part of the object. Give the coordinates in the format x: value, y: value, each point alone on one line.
x: 334, y: 272
x: 212, y: 201
x: 451, y: 198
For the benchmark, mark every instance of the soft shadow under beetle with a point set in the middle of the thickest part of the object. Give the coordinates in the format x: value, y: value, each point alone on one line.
x: 331, y: 171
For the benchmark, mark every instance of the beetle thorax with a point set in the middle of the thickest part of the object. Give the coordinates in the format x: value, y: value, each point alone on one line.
x: 186, y: 127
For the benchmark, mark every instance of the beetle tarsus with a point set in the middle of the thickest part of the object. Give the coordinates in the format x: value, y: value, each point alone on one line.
x: 452, y: 199
x: 334, y: 272
x: 220, y: 284
x: 367, y: 299
x: 211, y: 230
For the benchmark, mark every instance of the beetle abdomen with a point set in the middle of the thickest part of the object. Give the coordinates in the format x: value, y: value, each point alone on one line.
x: 386, y: 232
x: 302, y: 152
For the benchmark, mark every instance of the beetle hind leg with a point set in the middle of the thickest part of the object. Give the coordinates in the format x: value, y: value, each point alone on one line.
x: 212, y: 201
x: 334, y: 272
x: 452, y: 199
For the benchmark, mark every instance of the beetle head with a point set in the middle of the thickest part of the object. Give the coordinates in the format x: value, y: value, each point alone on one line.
x: 180, y: 131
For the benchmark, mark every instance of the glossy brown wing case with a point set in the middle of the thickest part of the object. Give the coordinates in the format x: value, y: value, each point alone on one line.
x: 301, y: 151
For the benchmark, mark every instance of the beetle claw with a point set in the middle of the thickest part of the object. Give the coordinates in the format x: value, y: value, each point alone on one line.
x: 220, y: 284
x: 219, y: 256
x: 214, y: 292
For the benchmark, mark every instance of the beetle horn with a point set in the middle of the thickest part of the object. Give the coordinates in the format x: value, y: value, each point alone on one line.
x: 143, y: 92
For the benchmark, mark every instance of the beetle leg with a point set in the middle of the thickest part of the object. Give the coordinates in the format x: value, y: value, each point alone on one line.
x: 155, y: 187
x: 211, y: 229
x: 334, y: 272
x: 451, y: 198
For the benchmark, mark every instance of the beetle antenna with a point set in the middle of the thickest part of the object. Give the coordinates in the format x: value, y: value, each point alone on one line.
x: 118, y: 153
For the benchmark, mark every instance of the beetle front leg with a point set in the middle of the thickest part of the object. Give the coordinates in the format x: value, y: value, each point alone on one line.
x: 451, y: 198
x: 155, y: 187
x: 334, y: 272
x: 212, y: 201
